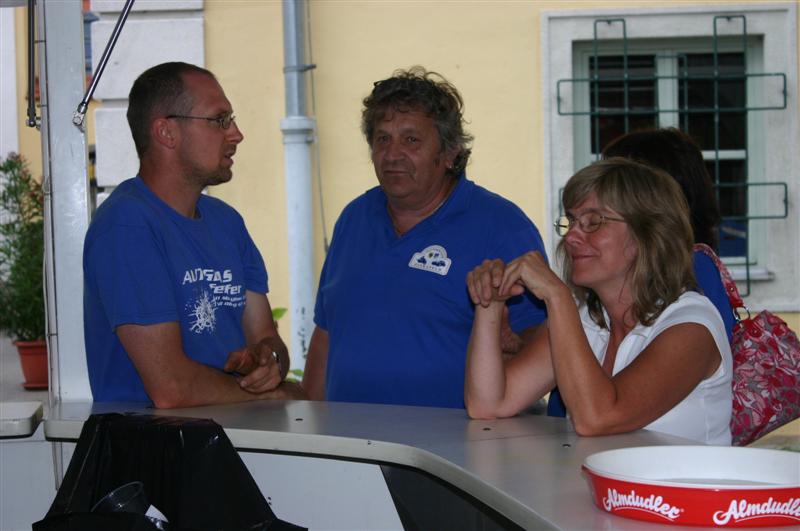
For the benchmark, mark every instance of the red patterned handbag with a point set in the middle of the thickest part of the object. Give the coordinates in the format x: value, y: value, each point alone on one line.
x: 766, y: 367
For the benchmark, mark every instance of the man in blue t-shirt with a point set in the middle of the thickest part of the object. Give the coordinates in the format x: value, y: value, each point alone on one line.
x: 175, y: 304
x: 393, y: 316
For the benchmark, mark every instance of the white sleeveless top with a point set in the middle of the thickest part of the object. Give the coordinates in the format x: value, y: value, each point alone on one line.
x: 705, y: 414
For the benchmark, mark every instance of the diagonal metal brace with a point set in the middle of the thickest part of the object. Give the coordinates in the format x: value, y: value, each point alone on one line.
x: 80, y: 112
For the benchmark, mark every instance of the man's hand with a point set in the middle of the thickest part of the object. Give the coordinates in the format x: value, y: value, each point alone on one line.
x: 259, y: 364
x: 510, y: 342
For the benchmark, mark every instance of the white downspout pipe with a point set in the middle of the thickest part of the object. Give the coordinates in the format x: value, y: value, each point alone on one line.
x: 298, y: 134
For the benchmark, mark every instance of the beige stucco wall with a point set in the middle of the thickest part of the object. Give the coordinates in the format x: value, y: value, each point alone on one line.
x: 244, y: 48
x: 489, y: 49
x: 355, y: 43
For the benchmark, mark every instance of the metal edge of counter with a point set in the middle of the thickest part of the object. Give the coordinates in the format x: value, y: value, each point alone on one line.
x: 368, y: 450
x: 364, y: 450
x: 62, y: 430
x: 22, y: 423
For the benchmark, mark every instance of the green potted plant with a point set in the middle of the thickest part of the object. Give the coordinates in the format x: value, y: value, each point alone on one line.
x: 22, y: 305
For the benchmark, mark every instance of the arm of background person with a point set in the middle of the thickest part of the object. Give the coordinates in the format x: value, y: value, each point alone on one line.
x: 511, y: 343
x: 316, y: 365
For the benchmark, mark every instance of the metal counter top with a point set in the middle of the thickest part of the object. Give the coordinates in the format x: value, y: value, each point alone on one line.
x: 19, y: 419
x: 527, y: 468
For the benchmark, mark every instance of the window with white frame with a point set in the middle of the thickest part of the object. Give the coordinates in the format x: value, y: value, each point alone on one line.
x: 713, y: 73
x: 673, y: 83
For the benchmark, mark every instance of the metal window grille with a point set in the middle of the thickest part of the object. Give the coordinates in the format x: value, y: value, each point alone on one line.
x: 623, y: 90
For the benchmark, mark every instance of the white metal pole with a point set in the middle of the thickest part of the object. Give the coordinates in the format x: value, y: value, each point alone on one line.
x: 62, y: 76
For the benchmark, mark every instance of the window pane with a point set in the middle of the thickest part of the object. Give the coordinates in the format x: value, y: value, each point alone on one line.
x: 610, y: 118
x: 733, y: 204
x: 618, y: 107
x: 696, y: 89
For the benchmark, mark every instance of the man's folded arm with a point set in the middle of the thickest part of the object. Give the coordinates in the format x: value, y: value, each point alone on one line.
x: 265, y: 372
x: 265, y: 359
x: 172, y: 380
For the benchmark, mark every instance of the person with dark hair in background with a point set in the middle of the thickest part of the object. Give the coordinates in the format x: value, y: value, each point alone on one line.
x: 175, y: 289
x: 628, y: 341
x: 392, y: 315
x: 678, y: 154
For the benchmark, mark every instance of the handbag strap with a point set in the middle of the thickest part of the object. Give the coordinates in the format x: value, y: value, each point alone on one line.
x: 727, y: 281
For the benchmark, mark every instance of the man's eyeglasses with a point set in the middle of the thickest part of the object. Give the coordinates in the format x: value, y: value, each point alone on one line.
x: 223, y: 121
x: 588, y: 222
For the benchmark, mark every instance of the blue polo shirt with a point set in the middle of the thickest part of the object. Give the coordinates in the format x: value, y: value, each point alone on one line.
x: 397, y: 309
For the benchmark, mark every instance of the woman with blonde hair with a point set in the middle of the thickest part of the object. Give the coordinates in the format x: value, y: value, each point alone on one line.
x: 628, y: 341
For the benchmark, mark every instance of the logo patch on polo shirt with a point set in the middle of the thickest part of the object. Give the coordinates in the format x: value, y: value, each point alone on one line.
x: 433, y: 258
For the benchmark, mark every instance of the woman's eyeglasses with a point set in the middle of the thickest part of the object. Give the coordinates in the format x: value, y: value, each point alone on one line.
x: 588, y: 222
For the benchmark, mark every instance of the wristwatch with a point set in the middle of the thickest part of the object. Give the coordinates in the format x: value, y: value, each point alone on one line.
x: 278, y: 363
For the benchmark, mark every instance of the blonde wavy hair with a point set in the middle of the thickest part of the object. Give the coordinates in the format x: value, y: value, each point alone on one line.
x: 655, y: 210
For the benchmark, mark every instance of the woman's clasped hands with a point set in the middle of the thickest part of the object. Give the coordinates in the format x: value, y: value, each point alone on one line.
x: 496, y: 281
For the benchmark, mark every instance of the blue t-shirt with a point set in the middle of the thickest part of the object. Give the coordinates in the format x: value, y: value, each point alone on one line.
x: 144, y: 264
x: 710, y: 284
x: 397, y: 309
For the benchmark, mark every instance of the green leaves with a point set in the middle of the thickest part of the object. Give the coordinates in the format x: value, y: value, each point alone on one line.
x: 277, y: 313
x: 21, y: 251
x: 295, y: 375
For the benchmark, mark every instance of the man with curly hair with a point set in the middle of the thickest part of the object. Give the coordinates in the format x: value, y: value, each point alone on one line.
x: 393, y: 315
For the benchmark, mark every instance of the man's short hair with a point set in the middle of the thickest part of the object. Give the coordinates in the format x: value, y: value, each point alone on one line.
x: 417, y: 89
x: 159, y: 91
